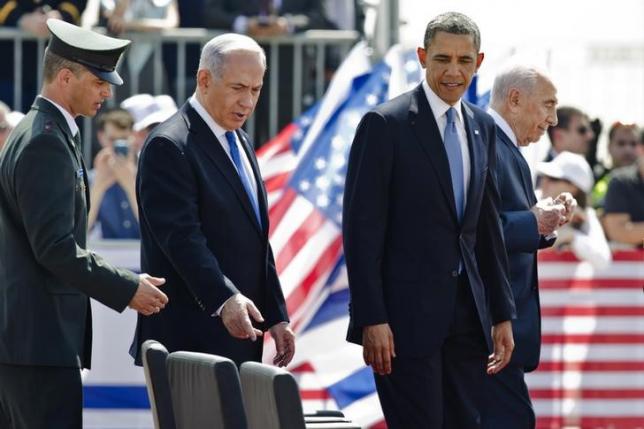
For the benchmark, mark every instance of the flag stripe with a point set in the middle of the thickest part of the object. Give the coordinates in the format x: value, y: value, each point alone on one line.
x: 617, y: 338
x: 276, y: 182
x: 618, y: 256
x: 599, y: 283
x: 587, y: 393
x: 592, y: 310
x: 302, y: 235
x: 279, y: 209
x: 555, y: 422
x: 596, y: 366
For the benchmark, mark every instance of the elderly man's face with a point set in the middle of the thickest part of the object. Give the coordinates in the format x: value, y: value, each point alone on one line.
x: 231, y: 98
x: 5, y: 129
x: 450, y: 62
x: 536, y: 111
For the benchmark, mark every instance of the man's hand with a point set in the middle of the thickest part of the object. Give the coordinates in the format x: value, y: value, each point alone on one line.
x: 570, y: 205
x: 236, y: 315
x: 124, y: 171
x: 284, y: 343
x: 378, y: 347
x: 34, y: 23
x: 503, y: 347
x: 549, y: 215
x: 148, y: 299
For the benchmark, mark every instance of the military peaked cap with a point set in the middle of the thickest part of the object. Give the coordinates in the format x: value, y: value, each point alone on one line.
x: 98, y: 53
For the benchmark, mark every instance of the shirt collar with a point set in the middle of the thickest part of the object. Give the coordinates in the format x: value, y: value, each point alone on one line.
x: 503, y: 124
x: 216, y: 129
x: 438, y: 106
x: 73, y: 128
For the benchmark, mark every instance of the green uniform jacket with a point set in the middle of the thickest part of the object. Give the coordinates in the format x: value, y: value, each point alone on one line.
x: 46, y: 274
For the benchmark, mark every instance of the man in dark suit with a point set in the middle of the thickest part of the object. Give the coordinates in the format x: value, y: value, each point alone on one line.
x: 203, y: 217
x: 46, y: 272
x: 523, y: 106
x: 420, y: 204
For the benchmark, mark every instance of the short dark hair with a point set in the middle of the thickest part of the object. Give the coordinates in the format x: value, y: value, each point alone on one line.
x: 564, y: 115
x: 454, y: 23
x: 53, y: 63
x: 122, y: 119
x: 619, y: 125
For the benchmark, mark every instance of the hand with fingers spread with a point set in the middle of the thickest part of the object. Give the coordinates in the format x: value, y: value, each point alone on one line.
x: 284, y: 343
x: 236, y: 316
x: 148, y: 298
x: 503, y: 347
x: 378, y: 347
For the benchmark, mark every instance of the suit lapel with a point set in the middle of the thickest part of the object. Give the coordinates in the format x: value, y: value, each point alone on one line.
x: 48, y: 108
x: 423, y: 123
x: 261, y: 192
x: 521, y: 165
x: 477, y: 155
x: 207, y: 141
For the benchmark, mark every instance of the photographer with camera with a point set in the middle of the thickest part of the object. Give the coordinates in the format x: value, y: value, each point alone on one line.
x: 112, y: 191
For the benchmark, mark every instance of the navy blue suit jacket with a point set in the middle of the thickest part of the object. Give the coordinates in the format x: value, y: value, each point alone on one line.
x: 522, y: 240
x: 199, y: 231
x: 402, y: 238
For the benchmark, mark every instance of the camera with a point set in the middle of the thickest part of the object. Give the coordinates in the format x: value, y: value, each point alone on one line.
x: 121, y: 147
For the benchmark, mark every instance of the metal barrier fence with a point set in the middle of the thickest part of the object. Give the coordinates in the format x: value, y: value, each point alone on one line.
x: 308, y: 76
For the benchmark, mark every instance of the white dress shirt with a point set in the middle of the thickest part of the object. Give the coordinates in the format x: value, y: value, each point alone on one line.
x: 220, y: 134
x: 68, y: 116
x: 503, y: 124
x: 439, y: 109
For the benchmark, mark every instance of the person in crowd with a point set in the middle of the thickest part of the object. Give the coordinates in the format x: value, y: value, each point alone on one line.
x: 271, y: 18
x: 420, y: 218
x: 204, y: 220
x: 623, y: 218
x: 573, y: 132
x: 112, y: 181
x: 46, y: 273
x: 8, y: 121
x: 266, y: 18
x: 570, y: 172
x: 523, y: 104
x: 31, y: 17
x: 148, y: 111
x: 623, y: 140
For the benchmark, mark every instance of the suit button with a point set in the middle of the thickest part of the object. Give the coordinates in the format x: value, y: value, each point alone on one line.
x: 455, y: 273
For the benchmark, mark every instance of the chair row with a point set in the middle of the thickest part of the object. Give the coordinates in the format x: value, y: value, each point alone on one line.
x: 189, y: 390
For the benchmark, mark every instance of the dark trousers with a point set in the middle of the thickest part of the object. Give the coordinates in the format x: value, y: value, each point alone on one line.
x: 40, y: 397
x: 507, y: 401
x: 445, y: 390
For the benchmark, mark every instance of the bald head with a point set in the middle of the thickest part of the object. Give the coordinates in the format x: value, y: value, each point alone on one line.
x: 527, y: 99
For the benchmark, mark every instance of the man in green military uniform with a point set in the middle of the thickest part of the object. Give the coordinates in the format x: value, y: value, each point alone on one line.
x: 46, y: 272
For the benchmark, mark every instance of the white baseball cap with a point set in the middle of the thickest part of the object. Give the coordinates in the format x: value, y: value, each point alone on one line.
x: 147, y: 110
x: 571, y: 167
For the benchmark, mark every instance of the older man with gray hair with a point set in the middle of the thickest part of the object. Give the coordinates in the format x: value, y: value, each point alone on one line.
x: 523, y: 105
x: 203, y: 217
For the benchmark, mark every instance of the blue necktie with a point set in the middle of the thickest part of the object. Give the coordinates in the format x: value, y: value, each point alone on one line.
x: 239, y: 166
x: 455, y: 158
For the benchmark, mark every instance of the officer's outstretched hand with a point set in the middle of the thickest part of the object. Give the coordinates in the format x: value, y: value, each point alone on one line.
x: 148, y: 299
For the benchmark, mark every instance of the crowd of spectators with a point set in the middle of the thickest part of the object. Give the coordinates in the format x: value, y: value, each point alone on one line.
x: 609, y: 189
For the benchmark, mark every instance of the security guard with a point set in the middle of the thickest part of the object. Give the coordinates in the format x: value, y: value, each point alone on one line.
x: 46, y: 273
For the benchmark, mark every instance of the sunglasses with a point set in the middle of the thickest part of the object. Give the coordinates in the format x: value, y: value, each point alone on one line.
x: 583, y: 130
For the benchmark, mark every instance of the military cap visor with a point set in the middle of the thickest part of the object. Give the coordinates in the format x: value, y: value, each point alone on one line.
x: 98, y: 53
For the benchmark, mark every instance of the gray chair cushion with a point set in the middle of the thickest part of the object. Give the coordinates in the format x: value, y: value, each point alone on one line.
x: 206, y: 392
x: 156, y: 382
x: 271, y: 397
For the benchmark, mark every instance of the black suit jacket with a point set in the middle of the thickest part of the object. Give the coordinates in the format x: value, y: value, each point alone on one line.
x: 402, y: 239
x: 221, y: 14
x: 199, y: 231
x: 46, y: 274
x: 522, y: 240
